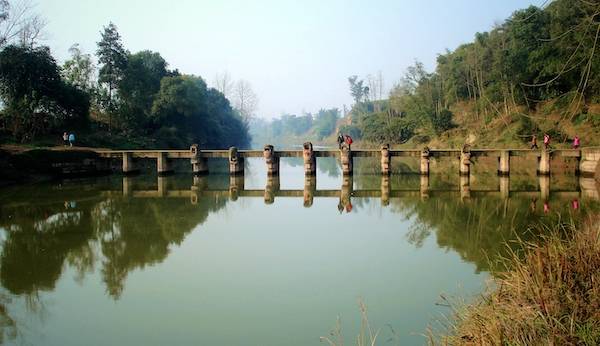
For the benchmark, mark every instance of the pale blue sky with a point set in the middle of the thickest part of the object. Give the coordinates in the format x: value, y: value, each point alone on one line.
x: 296, y: 54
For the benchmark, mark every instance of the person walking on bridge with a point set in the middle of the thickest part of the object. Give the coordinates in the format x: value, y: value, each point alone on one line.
x: 71, y: 139
x: 534, y: 142
x: 340, y: 140
x: 546, y: 141
x: 576, y: 142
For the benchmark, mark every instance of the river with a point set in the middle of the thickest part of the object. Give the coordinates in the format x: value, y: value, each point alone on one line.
x: 178, y: 260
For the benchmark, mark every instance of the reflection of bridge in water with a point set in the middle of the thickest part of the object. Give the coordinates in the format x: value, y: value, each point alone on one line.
x: 588, y: 189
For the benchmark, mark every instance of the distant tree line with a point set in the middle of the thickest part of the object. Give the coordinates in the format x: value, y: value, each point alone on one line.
x: 130, y: 94
x: 536, y: 56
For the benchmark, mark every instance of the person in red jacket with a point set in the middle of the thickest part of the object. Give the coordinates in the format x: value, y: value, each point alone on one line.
x: 348, y: 141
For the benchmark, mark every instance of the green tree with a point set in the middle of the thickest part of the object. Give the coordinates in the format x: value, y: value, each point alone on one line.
x: 79, y: 70
x: 113, y: 62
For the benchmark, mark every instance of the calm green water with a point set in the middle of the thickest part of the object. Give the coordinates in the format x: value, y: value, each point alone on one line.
x: 214, y: 261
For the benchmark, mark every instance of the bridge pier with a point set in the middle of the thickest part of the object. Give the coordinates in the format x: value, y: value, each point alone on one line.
x: 271, y: 189
x: 128, y: 164
x: 385, y: 160
x: 199, y: 163
x: 127, y: 186
x: 385, y: 190
x: 425, y: 161
x: 346, y: 159
x: 162, y: 164
x: 505, y: 187
x: 504, y: 163
x: 271, y: 159
x: 465, y: 161
x: 236, y: 162
x: 310, y: 186
x: 590, y: 162
x: 162, y: 186
x: 544, y: 163
x: 310, y: 161
x: 590, y: 189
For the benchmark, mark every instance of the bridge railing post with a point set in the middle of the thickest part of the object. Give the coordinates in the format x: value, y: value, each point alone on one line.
x: 385, y: 159
x: 346, y: 159
x: 199, y: 163
x: 504, y: 163
x: 465, y: 160
x: 271, y: 160
x: 236, y: 162
x: 425, y: 161
x: 310, y: 161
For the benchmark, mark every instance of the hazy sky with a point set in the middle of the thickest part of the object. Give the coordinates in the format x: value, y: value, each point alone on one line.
x: 296, y: 54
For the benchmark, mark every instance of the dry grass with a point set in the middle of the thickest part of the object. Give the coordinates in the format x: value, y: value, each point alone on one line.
x: 551, y: 296
x: 366, y: 337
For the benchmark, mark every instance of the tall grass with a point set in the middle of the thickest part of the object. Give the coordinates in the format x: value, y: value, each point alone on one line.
x: 549, y: 296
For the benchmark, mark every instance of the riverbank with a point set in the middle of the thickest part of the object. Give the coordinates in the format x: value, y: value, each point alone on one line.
x: 549, y: 296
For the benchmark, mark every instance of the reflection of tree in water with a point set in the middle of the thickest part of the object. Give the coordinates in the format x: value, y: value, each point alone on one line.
x: 329, y: 166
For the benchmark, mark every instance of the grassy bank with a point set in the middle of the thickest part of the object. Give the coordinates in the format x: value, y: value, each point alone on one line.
x: 550, y: 296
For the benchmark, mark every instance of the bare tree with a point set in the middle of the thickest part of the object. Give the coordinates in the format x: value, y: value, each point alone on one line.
x: 19, y: 23
x: 224, y: 83
x: 246, y: 100
x: 380, y: 84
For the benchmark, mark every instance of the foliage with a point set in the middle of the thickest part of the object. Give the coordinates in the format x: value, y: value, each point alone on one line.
x: 37, y: 100
x: 113, y: 62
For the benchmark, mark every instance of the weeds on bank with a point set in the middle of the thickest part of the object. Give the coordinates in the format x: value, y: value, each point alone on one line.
x: 549, y: 296
x: 366, y: 337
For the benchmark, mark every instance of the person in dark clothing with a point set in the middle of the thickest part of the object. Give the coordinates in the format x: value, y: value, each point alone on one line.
x: 340, y: 140
x: 534, y: 142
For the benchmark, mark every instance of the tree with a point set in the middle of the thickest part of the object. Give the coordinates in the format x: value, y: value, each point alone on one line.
x: 19, y: 24
x: 113, y: 60
x: 357, y: 90
x: 37, y: 100
x: 246, y: 100
x: 79, y: 70
x: 223, y: 83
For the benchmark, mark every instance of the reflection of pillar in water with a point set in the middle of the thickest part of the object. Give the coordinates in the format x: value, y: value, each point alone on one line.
x: 346, y: 192
x: 271, y: 159
x: 162, y: 186
x: 127, y: 186
x: 504, y: 186
x: 385, y: 190
x: 424, y: 186
x: 465, y: 187
x: 199, y: 185
x: 236, y: 184
x: 589, y: 188
x: 310, y: 186
x: 544, y: 187
x: 271, y: 188
x: 465, y: 161
x: 544, y: 163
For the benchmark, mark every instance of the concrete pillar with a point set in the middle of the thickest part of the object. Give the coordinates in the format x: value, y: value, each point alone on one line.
x: 385, y: 190
x: 386, y: 160
x: 310, y: 186
x: 271, y: 188
x: 128, y: 164
x: 465, y: 187
x: 271, y: 160
x: 424, y: 186
x: 505, y: 187
x: 236, y: 162
x: 162, y: 164
x: 346, y: 193
x: 162, y: 186
x: 504, y: 163
x: 127, y: 186
x: 544, y: 181
x: 465, y: 161
x: 425, y: 161
x: 346, y: 159
x: 589, y: 164
x: 590, y: 189
x: 199, y: 163
x: 544, y: 163
x: 236, y: 184
x: 310, y: 161
x: 200, y: 184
